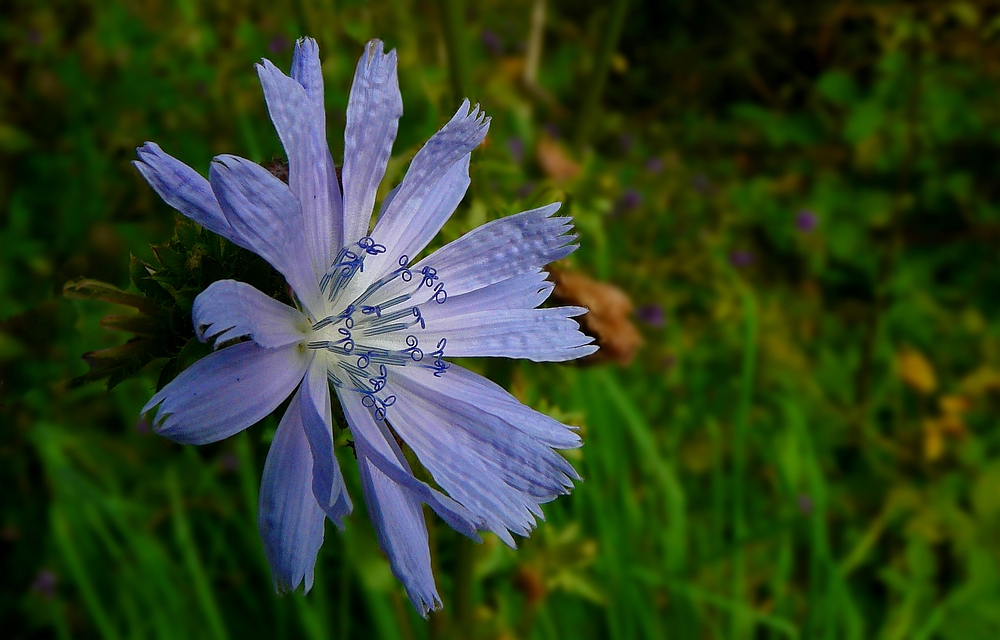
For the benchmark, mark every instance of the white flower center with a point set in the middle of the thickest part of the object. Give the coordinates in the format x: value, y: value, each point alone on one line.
x: 366, y: 331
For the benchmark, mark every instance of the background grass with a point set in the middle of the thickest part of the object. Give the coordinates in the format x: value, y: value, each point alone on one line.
x: 806, y: 445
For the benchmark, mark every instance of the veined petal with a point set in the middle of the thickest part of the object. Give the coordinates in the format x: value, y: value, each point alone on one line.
x: 228, y: 309
x: 373, y: 112
x: 184, y: 189
x: 398, y: 518
x: 463, y: 384
x: 541, y: 335
x: 290, y: 521
x: 393, y: 497
x: 307, y: 70
x: 525, y: 291
x: 296, y: 108
x: 327, y: 481
x: 226, y: 392
x: 380, y: 447
x: 433, y: 186
x: 502, y: 249
x: 263, y: 210
x: 497, y: 471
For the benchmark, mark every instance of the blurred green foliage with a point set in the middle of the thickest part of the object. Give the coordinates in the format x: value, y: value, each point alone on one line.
x: 804, y: 448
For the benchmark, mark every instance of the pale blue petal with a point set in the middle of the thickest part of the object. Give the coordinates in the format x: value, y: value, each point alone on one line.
x: 461, y: 384
x: 381, y: 448
x: 502, y: 249
x: 228, y: 309
x: 373, y: 112
x: 541, y: 335
x: 327, y: 481
x: 307, y: 70
x: 290, y: 521
x: 394, y: 506
x: 262, y: 209
x: 497, y: 471
x: 420, y: 218
x: 398, y: 518
x: 226, y: 392
x: 433, y: 186
x: 296, y: 108
x: 525, y: 291
x: 184, y: 189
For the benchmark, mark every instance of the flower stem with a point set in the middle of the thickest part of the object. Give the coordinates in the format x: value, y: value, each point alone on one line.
x: 599, y: 74
x: 452, y: 22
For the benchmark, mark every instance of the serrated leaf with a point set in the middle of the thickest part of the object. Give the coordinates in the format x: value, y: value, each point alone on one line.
x: 139, y: 274
x: 87, y: 289
x: 139, y: 325
x: 123, y: 360
x: 169, y: 258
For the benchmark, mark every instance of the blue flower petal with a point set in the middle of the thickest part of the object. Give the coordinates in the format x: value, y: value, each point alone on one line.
x: 380, y: 447
x: 462, y: 384
x: 290, y: 521
x: 262, y: 209
x: 184, y: 189
x: 541, y: 335
x: 226, y: 392
x: 307, y: 70
x: 501, y: 249
x: 398, y: 518
x: 296, y: 108
x: 525, y: 291
x: 373, y: 112
x: 433, y: 185
x: 228, y: 309
x: 327, y: 481
x: 498, y: 471
x: 393, y: 497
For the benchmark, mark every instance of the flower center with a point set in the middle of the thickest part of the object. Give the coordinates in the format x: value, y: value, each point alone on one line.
x: 369, y: 328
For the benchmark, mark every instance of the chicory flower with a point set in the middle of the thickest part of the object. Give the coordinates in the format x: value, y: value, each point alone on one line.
x: 373, y: 326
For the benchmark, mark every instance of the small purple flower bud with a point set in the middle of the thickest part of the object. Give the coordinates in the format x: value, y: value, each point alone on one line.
x: 526, y: 190
x: 552, y: 130
x: 492, y: 41
x: 806, y: 221
x: 143, y: 426
x: 654, y: 165
x: 45, y: 584
x: 627, y: 141
x: 629, y: 201
x: 805, y: 504
x: 278, y: 43
x: 229, y: 462
x: 701, y: 184
x: 34, y: 37
x: 651, y: 314
x: 516, y: 147
x: 741, y: 258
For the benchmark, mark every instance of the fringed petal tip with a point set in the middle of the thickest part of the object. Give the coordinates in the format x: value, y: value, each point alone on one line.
x: 376, y: 56
x: 424, y: 606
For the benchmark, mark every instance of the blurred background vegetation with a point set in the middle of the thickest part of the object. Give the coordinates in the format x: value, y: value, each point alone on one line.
x: 801, y: 201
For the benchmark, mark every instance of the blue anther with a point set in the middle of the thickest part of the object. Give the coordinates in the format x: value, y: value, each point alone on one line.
x: 377, y: 310
x: 420, y: 318
x: 430, y: 275
x: 371, y: 247
x: 403, y: 272
x: 440, y: 295
x: 415, y: 353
